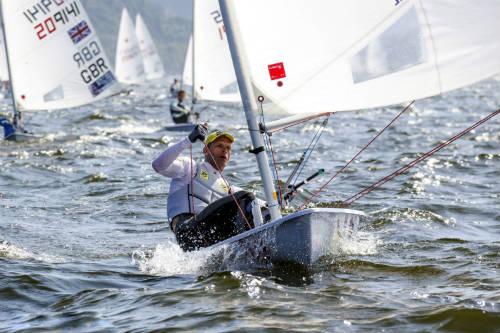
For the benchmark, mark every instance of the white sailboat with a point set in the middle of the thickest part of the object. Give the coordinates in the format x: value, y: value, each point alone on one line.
x: 129, y: 66
x: 208, y: 70
x: 153, y: 66
x: 310, y: 57
x: 54, y: 56
x: 208, y: 67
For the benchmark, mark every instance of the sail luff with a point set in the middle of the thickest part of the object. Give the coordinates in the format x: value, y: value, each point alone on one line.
x: 250, y: 106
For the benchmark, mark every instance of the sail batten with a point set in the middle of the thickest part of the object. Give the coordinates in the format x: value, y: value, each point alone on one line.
x: 328, y: 56
x: 55, y: 63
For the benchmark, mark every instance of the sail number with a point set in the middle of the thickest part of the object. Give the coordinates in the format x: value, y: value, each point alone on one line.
x: 93, y: 66
x: 221, y: 29
x: 217, y: 16
x: 48, y: 14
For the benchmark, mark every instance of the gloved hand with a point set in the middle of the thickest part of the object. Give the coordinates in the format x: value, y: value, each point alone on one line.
x: 199, y: 132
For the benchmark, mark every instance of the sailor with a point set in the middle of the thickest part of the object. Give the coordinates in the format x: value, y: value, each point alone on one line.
x: 9, y: 130
x: 203, y: 209
x: 181, y: 112
x: 175, y: 88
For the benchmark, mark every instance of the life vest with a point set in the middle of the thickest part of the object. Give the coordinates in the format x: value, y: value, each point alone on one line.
x: 207, y: 187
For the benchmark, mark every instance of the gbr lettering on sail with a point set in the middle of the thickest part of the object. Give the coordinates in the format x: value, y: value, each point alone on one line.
x: 51, y: 18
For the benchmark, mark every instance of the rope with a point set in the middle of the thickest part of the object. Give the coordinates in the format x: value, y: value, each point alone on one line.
x: 319, y: 190
x: 410, y: 165
x: 192, y: 178
x: 268, y: 143
x: 228, y: 186
x: 280, y: 190
x: 310, y: 149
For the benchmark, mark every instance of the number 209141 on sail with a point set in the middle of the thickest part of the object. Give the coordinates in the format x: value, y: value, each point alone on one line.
x: 47, y: 15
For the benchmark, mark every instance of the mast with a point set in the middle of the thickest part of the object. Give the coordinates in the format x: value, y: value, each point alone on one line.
x: 249, y: 105
x: 14, y: 105
x: 193, y: 58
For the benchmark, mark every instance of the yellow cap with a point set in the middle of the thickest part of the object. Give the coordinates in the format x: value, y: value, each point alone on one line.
x: 214, y: 135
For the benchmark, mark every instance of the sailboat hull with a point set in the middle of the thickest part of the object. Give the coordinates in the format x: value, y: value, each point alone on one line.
x: 301, y: 238
x: 180, y: 127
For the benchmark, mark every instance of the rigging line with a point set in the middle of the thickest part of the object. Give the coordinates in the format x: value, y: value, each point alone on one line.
x: 423, y: 157
x: 192, y: 178
x: 228, y: 186
x: 268, y: 142
x: 311, y: 148
x: 280, y: 190
x: 318, y: 191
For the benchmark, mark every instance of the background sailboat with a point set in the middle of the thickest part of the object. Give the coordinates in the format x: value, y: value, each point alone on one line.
x: 208, y: 68
x: 153, y: 66
x: 54, y: 63
x: 346, y: 56
x: 129, y: 66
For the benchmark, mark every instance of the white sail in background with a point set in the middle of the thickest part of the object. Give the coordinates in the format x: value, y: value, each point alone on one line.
x: 214, y: 72
x: 153, y: 66
x: 4, y: 70
x: 56, y: 58
x: 187, y: 74
x: 129, y: 64
x: 321, y: 56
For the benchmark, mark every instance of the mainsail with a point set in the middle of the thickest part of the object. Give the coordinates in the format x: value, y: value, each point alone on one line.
x: 153, y: 66
x: 213, y: 70
x: 56, y: 58
x: 129, y: 64
x: 187, y: 74
x: 321, y: 56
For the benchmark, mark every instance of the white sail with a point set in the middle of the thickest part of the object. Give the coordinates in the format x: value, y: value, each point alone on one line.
x: 187, y: 74
x: 4, y: 70
x: 312, y: 56
x: 153, y: 66
x: 56, y: 58
x: 214, y: 72
x: 129, y: 64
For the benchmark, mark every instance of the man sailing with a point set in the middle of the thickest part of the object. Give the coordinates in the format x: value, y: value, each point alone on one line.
x: 202, y: 208
x: 181, y: 113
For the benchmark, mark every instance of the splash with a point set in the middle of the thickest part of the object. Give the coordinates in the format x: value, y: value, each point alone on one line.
x: 10, y: 251
x: 169, y: 259
x: 360, y: 243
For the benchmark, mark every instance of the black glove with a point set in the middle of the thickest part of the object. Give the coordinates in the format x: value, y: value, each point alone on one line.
x: 199, y: 132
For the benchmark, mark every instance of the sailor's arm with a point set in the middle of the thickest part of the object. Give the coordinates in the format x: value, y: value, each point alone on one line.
x: 169, y: 164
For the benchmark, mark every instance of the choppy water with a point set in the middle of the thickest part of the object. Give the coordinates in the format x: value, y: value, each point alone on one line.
x: 84, y: 246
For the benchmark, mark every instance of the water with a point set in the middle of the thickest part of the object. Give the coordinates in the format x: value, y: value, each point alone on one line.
x: 84, y: 246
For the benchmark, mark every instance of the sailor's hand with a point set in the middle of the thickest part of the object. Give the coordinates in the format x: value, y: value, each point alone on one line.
x: 199, y: 132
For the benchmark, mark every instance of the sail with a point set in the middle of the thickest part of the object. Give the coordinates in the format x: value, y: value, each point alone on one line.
x: 56, y: 58
x: 321, y: 56
x: 214, y: 72
x: 153, y: 66
x: 4, y: 70
x: 187, y: 74
x: 129, y: 65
